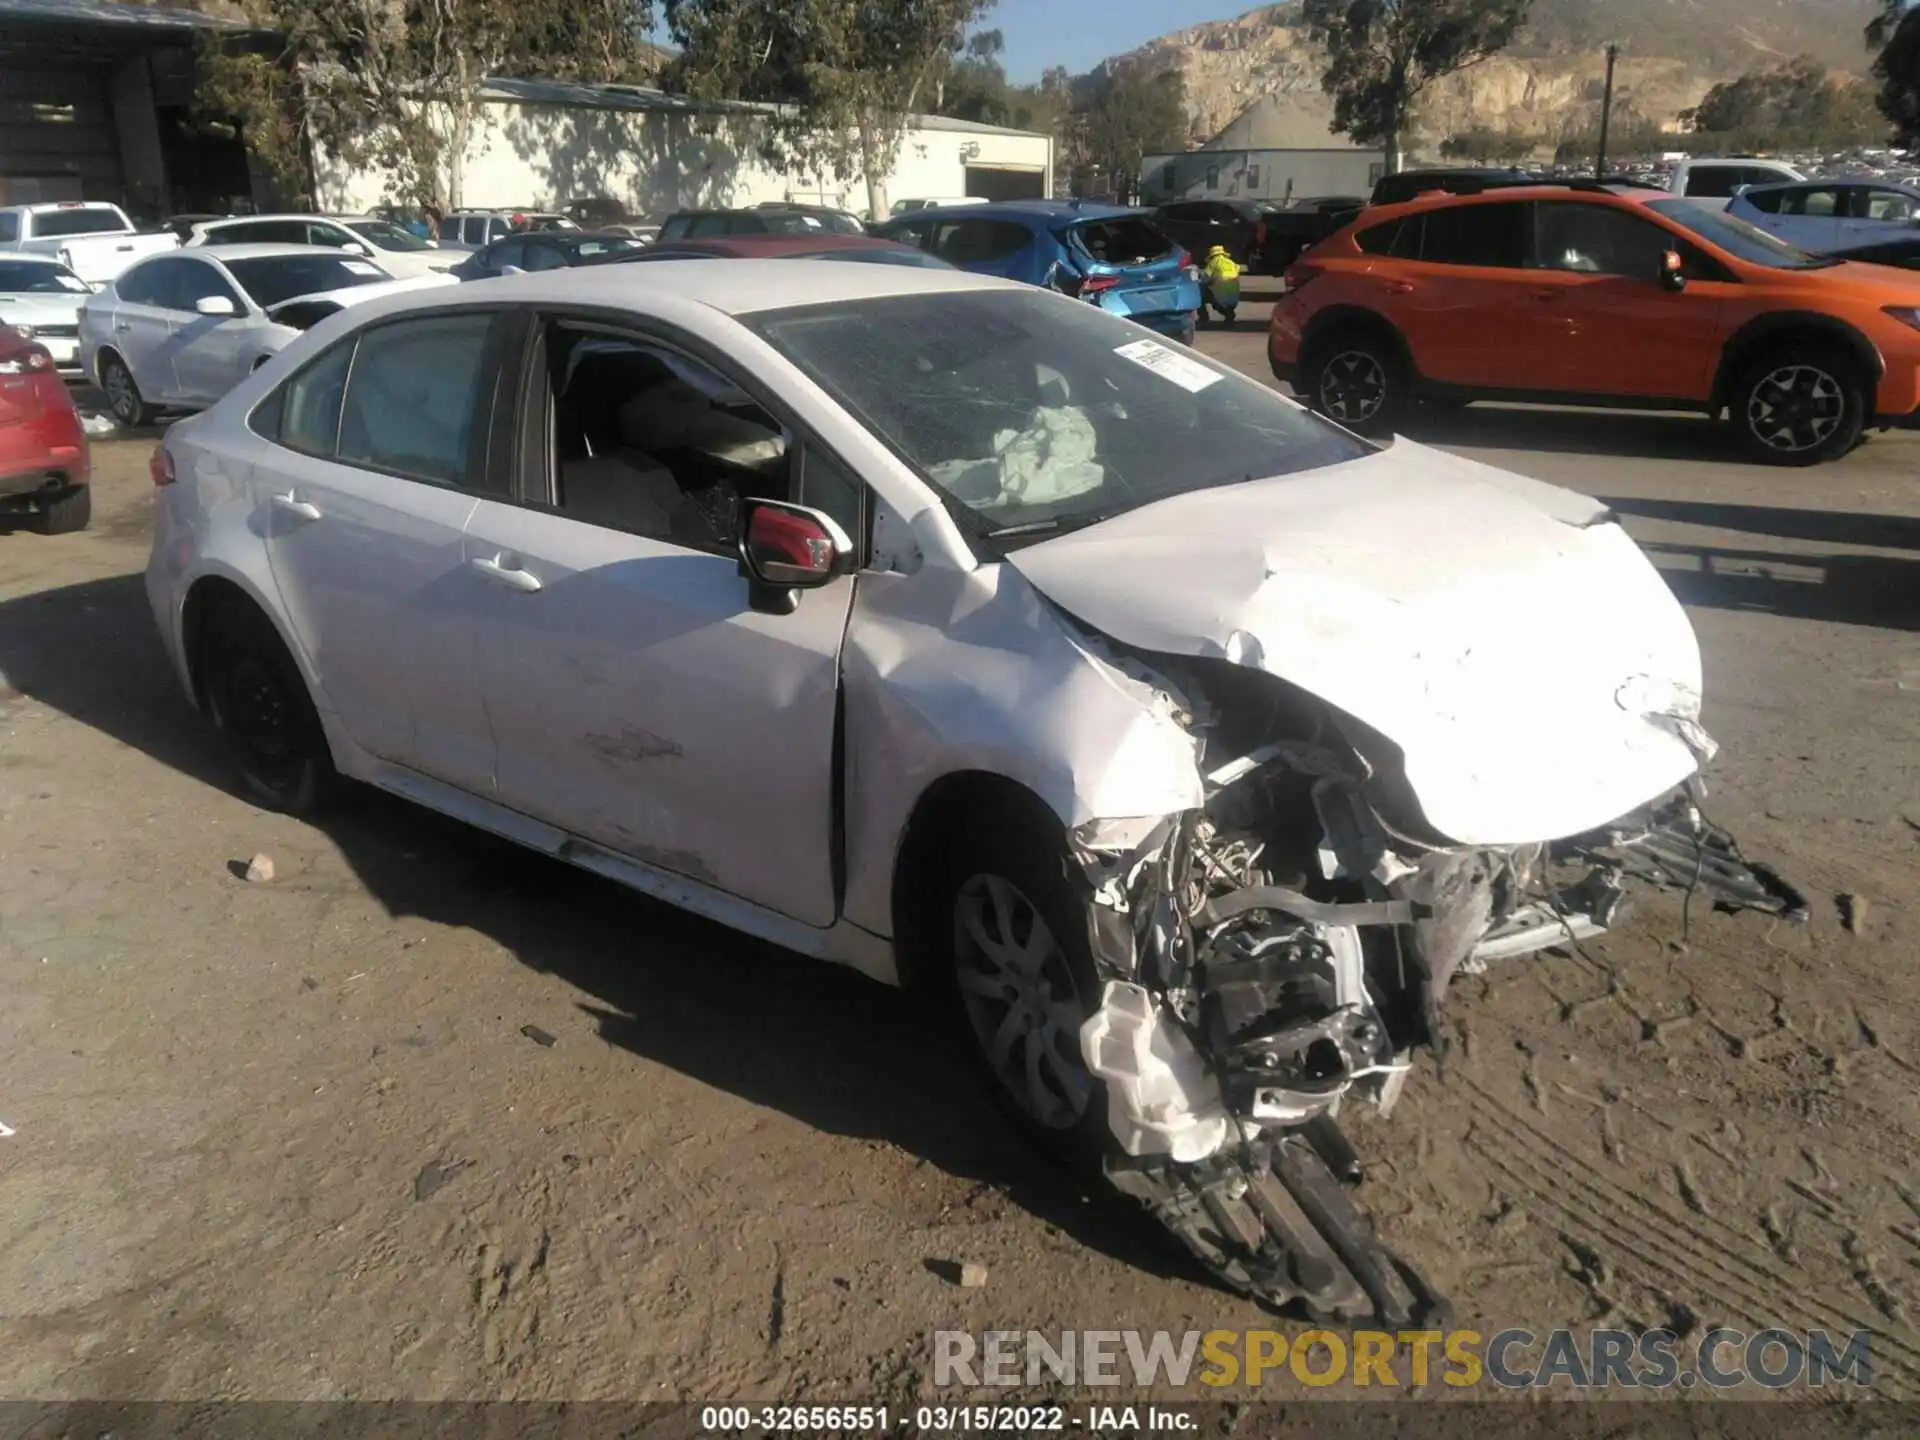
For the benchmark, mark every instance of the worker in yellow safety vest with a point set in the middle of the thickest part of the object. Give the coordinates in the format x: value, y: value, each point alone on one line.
x: 1220, y: 282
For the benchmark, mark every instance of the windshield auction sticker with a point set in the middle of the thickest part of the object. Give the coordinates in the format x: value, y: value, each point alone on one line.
x: 1170, y: 365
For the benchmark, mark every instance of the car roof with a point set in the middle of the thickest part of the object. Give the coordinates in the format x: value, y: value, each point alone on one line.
x: 280, y: 215
x: 745, y: 288
x: 1029, y: 210
x: 1545, y: 190
x: 749, y: 247
x: 227, y: 254
x: 1786, y: 186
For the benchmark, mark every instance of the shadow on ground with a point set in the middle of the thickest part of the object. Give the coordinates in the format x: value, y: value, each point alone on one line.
x: 1572, y: 432
x: 1877, y: 590
x: 814, y: 1041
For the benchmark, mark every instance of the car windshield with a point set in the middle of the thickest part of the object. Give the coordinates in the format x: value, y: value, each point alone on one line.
x: 1737, y: 237
x: 1034, y: 414
x: 269, y: 279
x: 387, y: 235
x: 20, y: 277
x: 79, y: 220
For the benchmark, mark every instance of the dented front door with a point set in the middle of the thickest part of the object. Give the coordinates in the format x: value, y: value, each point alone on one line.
x: 638, y: 703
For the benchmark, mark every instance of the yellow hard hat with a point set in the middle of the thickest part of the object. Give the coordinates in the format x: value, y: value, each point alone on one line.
x: 1216, y: 250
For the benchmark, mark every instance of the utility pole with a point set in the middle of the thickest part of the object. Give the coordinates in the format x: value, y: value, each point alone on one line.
x: 1606, y: 111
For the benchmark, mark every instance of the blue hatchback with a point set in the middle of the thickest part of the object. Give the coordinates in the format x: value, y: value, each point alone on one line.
x: 1107, y: 255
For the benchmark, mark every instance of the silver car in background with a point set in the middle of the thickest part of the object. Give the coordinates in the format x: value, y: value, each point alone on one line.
x: 179, y: 331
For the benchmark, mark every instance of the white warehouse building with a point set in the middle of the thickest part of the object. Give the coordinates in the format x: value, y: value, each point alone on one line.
x: 539, y: 144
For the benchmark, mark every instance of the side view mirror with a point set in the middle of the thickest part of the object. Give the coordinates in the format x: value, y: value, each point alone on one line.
x: 785, y: 549
x: 219, y: 305
x: 1673, y: 272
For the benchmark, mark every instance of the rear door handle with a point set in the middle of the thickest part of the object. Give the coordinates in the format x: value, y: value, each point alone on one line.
x: 502, y: 572
x: 295, y: 506
x: 1399, y: 287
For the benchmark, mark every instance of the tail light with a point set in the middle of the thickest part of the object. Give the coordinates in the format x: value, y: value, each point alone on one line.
x: 34, y: 360
x: 160, y: 466
x: 1098, y: 284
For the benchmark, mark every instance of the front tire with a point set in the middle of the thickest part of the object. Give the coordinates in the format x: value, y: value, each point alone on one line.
x: 123, y: 395
x: 259, y: 703
x: 1356, y: 380
x: 64, y: 513
x: 1017, y: 965
x: 1799, y: 407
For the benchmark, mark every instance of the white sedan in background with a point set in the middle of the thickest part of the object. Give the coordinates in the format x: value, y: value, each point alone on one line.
x: 1184, y: 743
x: 180, y: 330
x: 40, y: 297
x: 397, y: 251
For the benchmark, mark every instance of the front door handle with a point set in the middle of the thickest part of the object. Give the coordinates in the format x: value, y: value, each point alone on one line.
x: 1399, y: 287
x: 295, y: 506
x: 121, y: 327
x: 505, y: 570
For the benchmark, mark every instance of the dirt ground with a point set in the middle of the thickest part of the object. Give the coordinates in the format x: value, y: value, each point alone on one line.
x: 294, y: 1140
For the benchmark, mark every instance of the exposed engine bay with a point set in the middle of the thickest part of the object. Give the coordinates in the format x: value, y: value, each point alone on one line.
x: 1288, y: 946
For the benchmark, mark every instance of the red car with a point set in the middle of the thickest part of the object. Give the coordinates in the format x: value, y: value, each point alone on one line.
x: 44, y: 461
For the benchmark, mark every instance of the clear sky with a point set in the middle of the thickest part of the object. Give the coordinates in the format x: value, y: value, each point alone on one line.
x: 1080, y: 33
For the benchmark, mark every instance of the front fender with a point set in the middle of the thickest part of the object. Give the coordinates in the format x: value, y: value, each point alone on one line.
x: 948, y: 671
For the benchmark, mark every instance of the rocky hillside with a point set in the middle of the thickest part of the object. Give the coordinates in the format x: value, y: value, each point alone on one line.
x: 1548, y: 82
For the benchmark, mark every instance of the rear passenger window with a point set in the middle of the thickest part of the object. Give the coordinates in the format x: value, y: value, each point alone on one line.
x: 304, y: 413
x: 977, y: 242
x: 1820, y: 204
x: 1379, y: 239
x: 411, y: 405
x: 450, y: 229
x: 1491, y: 236
x: 675, y: 228
x: 1765, y: 201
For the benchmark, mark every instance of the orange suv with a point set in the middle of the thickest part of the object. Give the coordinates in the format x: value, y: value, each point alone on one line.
x: 1581, y: 294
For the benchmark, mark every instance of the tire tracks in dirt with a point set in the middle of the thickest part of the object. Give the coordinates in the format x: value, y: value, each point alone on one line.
x: 1669, y: 1251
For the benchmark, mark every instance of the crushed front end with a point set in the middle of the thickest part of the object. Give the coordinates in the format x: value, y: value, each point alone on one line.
x: 1288, y: 945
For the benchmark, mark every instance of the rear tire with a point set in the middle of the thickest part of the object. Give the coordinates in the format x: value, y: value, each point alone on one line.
x: 65, y: 512
x: 1799, y: 406
x: 1010, y: 940
x: 258, y: 701
x: 123, y: 395
x: 1356, y: 379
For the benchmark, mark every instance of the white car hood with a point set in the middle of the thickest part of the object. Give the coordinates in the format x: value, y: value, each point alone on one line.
x: 1536, y: 672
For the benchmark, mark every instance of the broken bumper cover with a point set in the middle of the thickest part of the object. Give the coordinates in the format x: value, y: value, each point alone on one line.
x: 1238, y: 1012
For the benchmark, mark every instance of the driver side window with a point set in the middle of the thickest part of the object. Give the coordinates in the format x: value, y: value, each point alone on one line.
x: 648, y: 440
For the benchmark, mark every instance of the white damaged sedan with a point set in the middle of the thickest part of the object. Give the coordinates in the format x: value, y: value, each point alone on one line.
x: 950, y: 629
